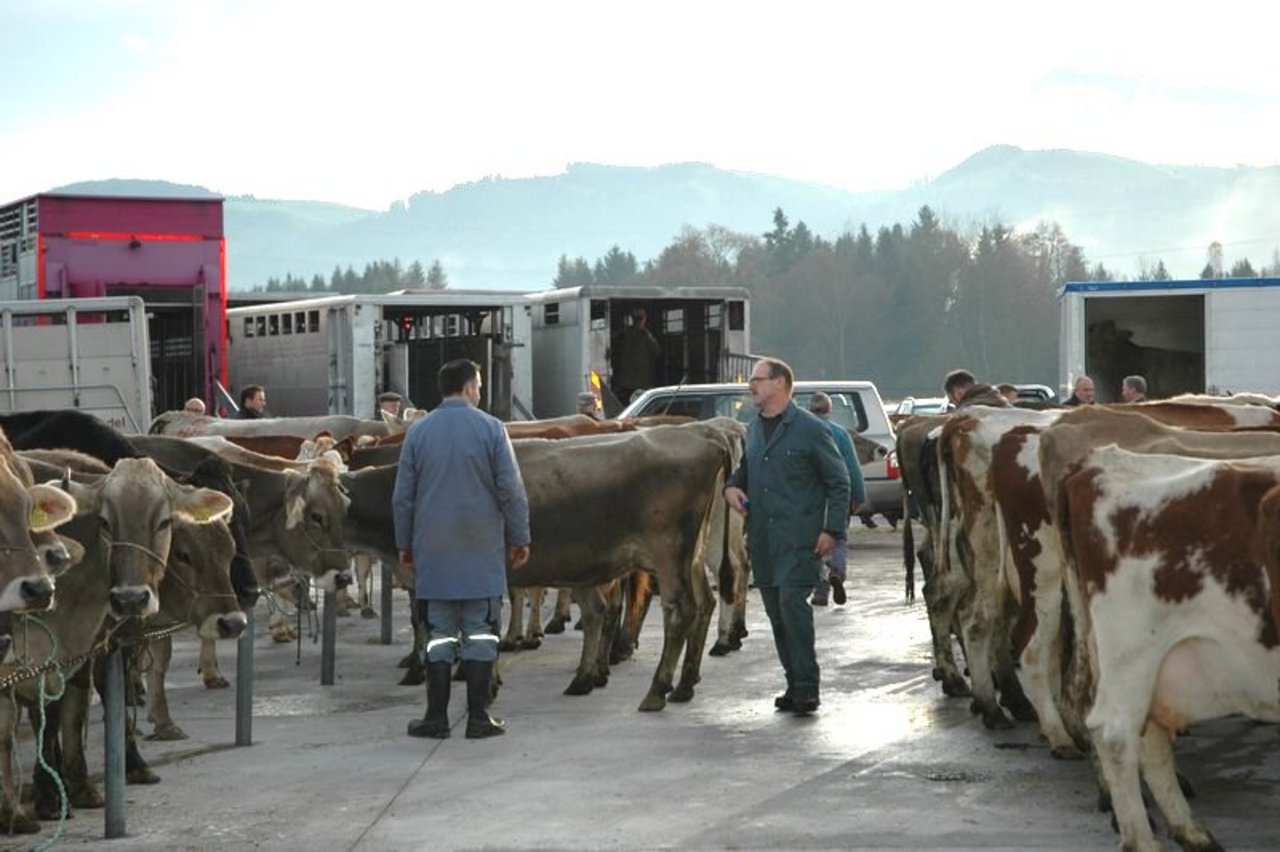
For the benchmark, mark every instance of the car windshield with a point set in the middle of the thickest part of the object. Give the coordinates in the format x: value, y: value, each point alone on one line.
x: 846, y: 408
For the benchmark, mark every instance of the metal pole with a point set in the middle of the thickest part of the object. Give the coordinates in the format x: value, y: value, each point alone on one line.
x: 328, y: 637
x: 244, y: 684
x: 388, y: 575
x: 113, y: 779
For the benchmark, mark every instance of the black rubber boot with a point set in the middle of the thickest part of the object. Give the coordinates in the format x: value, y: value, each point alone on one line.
x: 479, y: 723
x: 435, y: 724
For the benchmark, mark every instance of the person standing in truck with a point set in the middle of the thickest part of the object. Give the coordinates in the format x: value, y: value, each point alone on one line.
x: 635, y: 358
x: 253, y: 403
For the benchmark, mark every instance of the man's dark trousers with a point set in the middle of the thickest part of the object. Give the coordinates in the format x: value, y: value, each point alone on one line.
x: 792, y: 620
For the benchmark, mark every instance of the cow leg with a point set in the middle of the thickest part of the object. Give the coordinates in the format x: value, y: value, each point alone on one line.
x: 75, y: 772
x: 939, y: 603
x: 1041, y: 658
x: 46, y: 799
x: 415, y: 670
x: 637, y: 592
x: 208, y: 666
x: 704, y: 605
x: 561, y: 617
x: 1158, y: 771
x: 676, y: 622
x: 1115, y: 725
x: 592, y: 603
x: 533, y: 635
x: 136, y: 770
x: 515, y: 621
x: 364, y: 583
x: 13, y: 819
x: 161, y: 656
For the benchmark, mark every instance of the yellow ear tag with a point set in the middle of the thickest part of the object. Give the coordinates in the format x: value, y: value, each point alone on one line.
x: 201, y: 514
x: 39, y: 517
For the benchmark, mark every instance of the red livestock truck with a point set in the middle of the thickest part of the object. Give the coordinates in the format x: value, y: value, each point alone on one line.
x: 171, y: 252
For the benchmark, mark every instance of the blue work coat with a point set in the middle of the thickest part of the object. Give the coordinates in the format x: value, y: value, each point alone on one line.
x: 798, y: 486
x: 459, y: 502
x: 857, y: 486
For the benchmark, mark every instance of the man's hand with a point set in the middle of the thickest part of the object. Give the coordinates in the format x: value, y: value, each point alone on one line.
x: 737, y: 499
x: 855, y: 508
x: 518, y: 556
x: 826, y: 541
x: 406, y: 558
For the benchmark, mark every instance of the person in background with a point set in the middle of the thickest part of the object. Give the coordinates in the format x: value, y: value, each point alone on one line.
x: 1082, y: 392
x: 1133, y: 389
x: 391, y: 403
x: 1008, y: 391
x: 195, y: 405
x: 836, y: 566
x: 253, y: 403
x: 461, y: 517
x: 793, y: 488
x: 963, y: 390
x: 587, y: 405
x: 634, y: 358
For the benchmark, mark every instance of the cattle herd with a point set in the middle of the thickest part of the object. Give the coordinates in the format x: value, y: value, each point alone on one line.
x: 114, y: 540
x: 1122, y: 563
x: 1110, y: 572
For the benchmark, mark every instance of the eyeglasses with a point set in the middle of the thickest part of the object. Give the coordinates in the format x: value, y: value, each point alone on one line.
x: 756, y: 379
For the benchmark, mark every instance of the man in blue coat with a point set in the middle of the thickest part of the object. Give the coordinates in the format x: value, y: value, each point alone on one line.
x: 461, y: 516
x: 793, y: 488
x: 838, y: 560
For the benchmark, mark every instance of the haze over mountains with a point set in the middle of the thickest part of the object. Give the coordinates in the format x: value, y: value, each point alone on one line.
x: 510, y: 233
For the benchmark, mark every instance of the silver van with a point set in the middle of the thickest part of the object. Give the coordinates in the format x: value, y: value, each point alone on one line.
x: 855, y: 405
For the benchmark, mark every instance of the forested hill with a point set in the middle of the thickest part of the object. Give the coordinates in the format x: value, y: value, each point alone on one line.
x: 509, y: 233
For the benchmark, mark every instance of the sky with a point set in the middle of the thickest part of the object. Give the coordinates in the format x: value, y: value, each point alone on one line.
x: 365, y: 103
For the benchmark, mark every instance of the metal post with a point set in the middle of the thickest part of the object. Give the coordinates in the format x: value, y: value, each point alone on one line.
x: 113, y: 778
x: 328, y: 637
x: 244, y: 684
x: 388, y: 577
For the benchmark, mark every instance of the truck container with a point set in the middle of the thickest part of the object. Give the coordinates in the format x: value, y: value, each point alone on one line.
x: 336, y: 354
x: 171, y: 252
x: 1199, y: 336
x: 703, y: 332
x: 90, y: 354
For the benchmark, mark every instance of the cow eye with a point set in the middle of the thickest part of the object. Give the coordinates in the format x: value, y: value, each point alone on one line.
x: 182, y: 556
x: 104, y: 522
x: 164, y: 524
x: 317, y: 519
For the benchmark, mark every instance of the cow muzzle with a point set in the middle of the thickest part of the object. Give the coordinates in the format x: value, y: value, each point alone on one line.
x: 227, y: 626
x: 129, y: 601
x: 37, y: 593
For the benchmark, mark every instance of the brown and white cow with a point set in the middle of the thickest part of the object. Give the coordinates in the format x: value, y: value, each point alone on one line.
x: 28, y: 545
x: 1179, y: 570
x: 184, y: 424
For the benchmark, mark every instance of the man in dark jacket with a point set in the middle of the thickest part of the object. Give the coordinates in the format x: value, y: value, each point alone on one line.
x: 793, y: 488
x: 838, y: 560
x: 634, y: 358
x: 1082, y: 392
x: 461, y: 515
x: 253, y: 403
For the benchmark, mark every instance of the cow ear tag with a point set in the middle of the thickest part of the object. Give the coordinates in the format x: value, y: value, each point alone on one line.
x: 201, y: 514
x: 39, y: 516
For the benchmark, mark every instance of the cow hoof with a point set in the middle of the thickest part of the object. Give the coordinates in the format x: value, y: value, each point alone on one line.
x: 415, y: 676
x: 283, y: 636
x: 530, y: 644
x: 407, y: 660
x: 1066, y: 752
x: 580, y: 686
x: 601, y: 681
x: 653, y: 703
x: 555, y: 625
x: 955, y: 687
x: 17, y: 822
x: 216, y: 682
x: 735, y: 642
x: 995, y: 720
x: 167, y: 733
x: 619, y: 655
x: 508, y: 645
x: 577, y: 625
x: 343, y: 613
x: 1024, y: 712
x: 142, y: 775
x: 720, y: 649
x: 681, y: 694
x: 87, y: 798
x: 368, y: 612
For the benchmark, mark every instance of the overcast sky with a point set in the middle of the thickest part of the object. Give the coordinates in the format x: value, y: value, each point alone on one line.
x: 367, y: 102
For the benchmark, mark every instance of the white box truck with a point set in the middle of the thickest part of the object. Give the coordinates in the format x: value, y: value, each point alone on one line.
x: 90, y: 354
x: 335, y: 354
x: 1214, y: 336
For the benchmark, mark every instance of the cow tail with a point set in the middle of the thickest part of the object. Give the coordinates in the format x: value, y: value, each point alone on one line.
x: 942, y: 558
x: 908, y: 545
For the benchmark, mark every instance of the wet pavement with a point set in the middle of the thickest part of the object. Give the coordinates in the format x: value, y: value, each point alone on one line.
x: 888, y: 762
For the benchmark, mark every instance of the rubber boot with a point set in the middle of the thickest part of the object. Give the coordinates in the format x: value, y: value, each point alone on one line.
x: 435, y: 724
x: 479, y: 723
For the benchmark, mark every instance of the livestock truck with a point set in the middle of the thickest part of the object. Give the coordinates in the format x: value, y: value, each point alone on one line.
x: 703, y: 334
x: 88, y: 354
x: 336, y: 354
x: 1198, y: 336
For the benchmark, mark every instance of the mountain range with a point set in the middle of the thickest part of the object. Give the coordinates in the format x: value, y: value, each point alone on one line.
x: 510, y: 233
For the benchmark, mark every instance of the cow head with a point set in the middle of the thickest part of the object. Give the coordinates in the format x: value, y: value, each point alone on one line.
x: 28, y: 546
x: 136, y: 505
x: 197, y: 583
x: 315, y: 507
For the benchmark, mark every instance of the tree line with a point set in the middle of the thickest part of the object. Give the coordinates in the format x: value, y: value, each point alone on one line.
x: 380, y: 276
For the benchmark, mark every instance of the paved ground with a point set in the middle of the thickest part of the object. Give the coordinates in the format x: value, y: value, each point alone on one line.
x: 887, y: 763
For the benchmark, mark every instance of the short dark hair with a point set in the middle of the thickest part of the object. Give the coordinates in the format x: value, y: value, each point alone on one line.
x: 389, y: 396
x: 958, y: 380
x: 779, y: 369
x: 1005, y: 387
x: 248, y: 392
x: 456, y: 373
x: 1138, y: 383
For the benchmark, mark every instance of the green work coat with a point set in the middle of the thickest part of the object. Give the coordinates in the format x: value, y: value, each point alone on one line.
x: 798, y: 487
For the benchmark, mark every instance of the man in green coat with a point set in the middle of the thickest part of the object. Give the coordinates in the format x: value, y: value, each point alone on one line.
x: 793, y: 488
